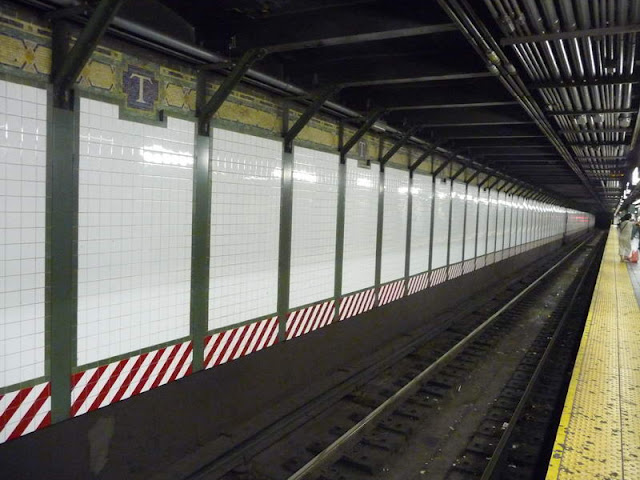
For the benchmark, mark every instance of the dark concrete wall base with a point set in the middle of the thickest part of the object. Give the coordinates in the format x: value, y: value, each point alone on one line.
x: 210, y: 411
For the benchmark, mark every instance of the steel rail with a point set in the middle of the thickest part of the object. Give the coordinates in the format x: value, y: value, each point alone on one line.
x: 349, y: 439
x: 496, y: 458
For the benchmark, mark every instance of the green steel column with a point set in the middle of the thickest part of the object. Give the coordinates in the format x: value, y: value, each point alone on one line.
x: 407, y: 255
x: 475, y: 248
x: 62, y: 249
x: 433, y: 215
x: 450, y: 218
x: 464, y: 223
x: 486, y: 241
x: 379, y: 232
x: 342, y: 195
x: 200, y: 247
x: 284, y: 252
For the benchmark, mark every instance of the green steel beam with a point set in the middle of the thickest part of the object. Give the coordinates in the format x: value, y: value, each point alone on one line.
x: 208, y: 110
x: 342, y: 195
x: 425, y: 154
x: 66, y: 73
x: 62, y: 249
x: 398, y: 145
x: 286, y: 221
x: 459, y: 172
x: 308, y: 114
x: 364, y: 128
x: 200, y: 245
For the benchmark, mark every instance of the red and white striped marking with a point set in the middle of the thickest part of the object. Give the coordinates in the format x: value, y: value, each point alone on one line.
x: 481, y: 262
x: 438, y: 276
x: 357, y: 303
x: 101, y: 386
x: 24, y: 411
x: 309, y: 319
x: 390, y: 292
x: 469, y: 266
x: 455, y: 270
x: 418, y: 283
x: 238, y: 342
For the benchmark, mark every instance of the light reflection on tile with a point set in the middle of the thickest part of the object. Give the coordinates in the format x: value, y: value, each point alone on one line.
x: 22, y: 232
x: 394, y: 225
x: 360, y: 227
x: 313, y: 239
x: 441, y: 223
x: 245, y: 218
x: 134, y: 228
x: 421, y: 222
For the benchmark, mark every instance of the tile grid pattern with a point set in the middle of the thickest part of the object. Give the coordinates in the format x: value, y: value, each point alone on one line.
x: 457, y: 222
x: 245, y: 218
x: 440, y: 224
x: 360, y: 225
x: 135, y: 208
x: 483, y: 212
x: 470, y: 222
x: 313, y: 238
x: 420, y: 222
x: 134, y: 229
x: 394, y: 225
x: 22, y: 232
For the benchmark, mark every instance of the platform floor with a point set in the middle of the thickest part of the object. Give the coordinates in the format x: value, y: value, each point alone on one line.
x: 599, y: 432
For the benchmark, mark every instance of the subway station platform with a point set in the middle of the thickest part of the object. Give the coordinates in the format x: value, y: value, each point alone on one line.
x: 599, y: 431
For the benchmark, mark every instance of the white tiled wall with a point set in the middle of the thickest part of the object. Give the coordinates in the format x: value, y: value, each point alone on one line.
x: 313, y: 239
x: 134, y: 229
x: 503, y: 223
x: 245, y: 226
x: 514, y: 204
x: 492, y: 221
x: 420, y: 222
x: 441, y: 223
x: 524, y: 222
x: 483, y: 214
x: 360, y: 227
x: 394, y: 225
x: 457, y: 223
x: 22, y: 231
x: 470, y: 231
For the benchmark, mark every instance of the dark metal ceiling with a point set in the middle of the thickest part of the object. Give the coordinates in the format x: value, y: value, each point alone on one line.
x: 544, y: 90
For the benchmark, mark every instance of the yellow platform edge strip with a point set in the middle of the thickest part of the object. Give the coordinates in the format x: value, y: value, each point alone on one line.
x: 558, y: 447
x: 601, y: 406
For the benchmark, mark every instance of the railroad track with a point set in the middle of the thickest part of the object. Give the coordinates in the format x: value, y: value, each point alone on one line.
x: 445, y: 407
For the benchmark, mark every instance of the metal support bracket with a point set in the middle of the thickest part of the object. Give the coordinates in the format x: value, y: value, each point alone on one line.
x: 207, y: 111
x: 459, y: 172
x: 452, y: 156
x: 485, y: 180
x: 308, y: 114
x: 493, y: 184
x: 425, y: 154
x: 520, y: 190
x: 364, y: 128
x: 398, y: 145
x: 511, y: 189
x: 474, y: 175
x: 72, y: 62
